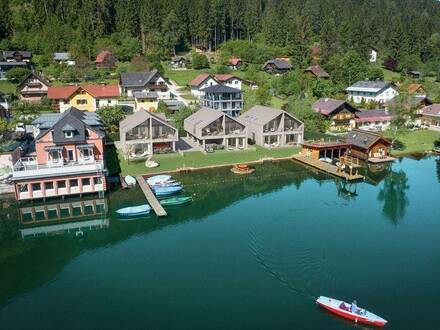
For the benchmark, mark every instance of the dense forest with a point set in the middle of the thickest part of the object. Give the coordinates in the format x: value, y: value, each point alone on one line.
x: 396, y: 27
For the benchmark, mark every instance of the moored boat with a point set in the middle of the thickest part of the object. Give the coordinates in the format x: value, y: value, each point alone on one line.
x: 343, y: 309
x: 176, y: 201
x: 134, y: 210
x: 166, y: 191
x: 159, y: 179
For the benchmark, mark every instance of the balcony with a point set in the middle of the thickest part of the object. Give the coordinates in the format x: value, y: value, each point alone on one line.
x: 26, y: 168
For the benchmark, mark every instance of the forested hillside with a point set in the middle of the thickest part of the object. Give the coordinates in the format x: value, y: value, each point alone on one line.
x: 396, y: 27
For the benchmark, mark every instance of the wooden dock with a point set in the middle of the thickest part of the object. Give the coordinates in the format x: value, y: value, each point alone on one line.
x: 327, y: 168
x: 151, y: 198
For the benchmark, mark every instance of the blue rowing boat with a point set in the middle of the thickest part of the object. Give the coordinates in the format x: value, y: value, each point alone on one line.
x: 134, y: 210
x: 166, y: 191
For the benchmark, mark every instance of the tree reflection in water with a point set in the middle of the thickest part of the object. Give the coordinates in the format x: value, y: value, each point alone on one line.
x: 437, y: 161
x: 393, y: 196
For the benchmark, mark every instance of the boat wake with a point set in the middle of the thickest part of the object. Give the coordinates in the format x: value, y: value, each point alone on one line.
x: 278, y: 270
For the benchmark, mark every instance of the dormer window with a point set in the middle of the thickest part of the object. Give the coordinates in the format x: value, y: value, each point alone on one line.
x: 68, y: 134
x: 68, y: 131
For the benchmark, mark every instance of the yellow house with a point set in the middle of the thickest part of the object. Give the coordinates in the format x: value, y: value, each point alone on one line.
x: 86, y: 98
x: 146, y: 100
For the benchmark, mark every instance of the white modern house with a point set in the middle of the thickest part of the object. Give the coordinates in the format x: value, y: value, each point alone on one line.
x: 371, y: 91
x: 205, y: 80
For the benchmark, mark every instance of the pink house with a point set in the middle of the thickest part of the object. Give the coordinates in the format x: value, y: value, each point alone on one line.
x: 68, y: 157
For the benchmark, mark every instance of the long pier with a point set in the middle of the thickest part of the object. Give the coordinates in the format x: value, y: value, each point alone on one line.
x: 151, y: 198
x: 327, y: 168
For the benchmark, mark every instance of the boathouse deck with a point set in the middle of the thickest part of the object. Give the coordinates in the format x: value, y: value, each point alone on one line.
x: 151, y: 198
x: 327, y: 168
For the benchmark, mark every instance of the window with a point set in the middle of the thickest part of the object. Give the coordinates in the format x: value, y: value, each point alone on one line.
x: 61, y: 184
x: 87, y: 153
x: 73, y: 183
x: 86, y: 133
x: 81, y: 101
x: 86, y: 182
x: 97, y: 180
x: 36, y: 186
x: 48, y: 185
x: 109, y: 101
x: 68, y: 134
x: 23, y: 188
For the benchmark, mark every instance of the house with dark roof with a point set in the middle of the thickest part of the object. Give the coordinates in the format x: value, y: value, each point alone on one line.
x: 371, y: 91
x: 317, y: 72
x: 368, y: 146
x: 277, y: 66
x: 144, y: 133
x: 178, y: 62
x: 68, y: 157
x: 17, y: 56
x: 105, y: 59
x: 205, y: 80
x: 83, y: 97
x: 148, y: 101
x: 429, y: 117
x: 216, y: 129
x: 416, y: 89
x: 341, y: 113
x: 374, y: 120
x: 223, y: 98
x: 63, y: 58
x: 33, y: 88
x: 146, y: 82
x: 271, y: 127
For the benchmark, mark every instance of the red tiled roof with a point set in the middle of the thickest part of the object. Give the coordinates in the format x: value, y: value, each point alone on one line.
x: 199, y: 79
x: 102, y: 55
x: 102, y: 90
x: 97, y: 91
x: 60, y: 92
x: 224, y: 77
x: 327, y: 106
x: 412, y: 88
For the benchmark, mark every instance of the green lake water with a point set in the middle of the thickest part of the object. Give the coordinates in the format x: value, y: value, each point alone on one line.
x: 250, y: 252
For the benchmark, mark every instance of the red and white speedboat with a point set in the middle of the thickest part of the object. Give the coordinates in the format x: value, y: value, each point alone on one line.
x: 343, y: 309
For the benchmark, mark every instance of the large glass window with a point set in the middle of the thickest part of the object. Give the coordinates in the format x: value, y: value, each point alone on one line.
x: 162, y: 131
x: 61, y: 184
x: 48, y: 185
x: 86, y: 181
x: 36, y: 186
x: 139, y: 132
x: 73, y: 183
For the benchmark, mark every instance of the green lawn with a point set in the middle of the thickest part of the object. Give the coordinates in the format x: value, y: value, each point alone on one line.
x: 7, y: 87
x: 415, y: 141
x: 182, y: 77
x: 170, y: 162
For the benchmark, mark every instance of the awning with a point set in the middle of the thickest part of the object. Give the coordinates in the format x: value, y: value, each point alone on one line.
x: 85, y: 146
x: 53, y: 148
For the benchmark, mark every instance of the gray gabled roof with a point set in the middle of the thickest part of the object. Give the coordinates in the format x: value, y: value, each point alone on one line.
x: 279, y: 64
x: 369, y: 86
x: 47, y: 120
x: 203, y: 118
x: 260, y: 115
x: 145, y: 95
x: 220, y: 89
x: 363, y: 139
x: 137, y: 79
x: 61, y: 56
x: 140, y: 117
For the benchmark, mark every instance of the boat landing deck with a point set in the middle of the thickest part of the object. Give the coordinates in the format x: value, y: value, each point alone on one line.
x: 151, y: 198
x: 327, y: 168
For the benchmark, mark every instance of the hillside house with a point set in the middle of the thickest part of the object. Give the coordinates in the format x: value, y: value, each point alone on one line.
x: 429, y: 117
x: 105, y: 59
x: 84, y: 97
x: 63, y: 58
x: 341, y: 113
x: 145, y: 82
x: 33, y: 88
x: 17, y: 56
x: 277, y: 66
x: 368, y: 146
x: 223, y: 98
x: 374, y: 120
x: 317, y: 72
x: 371, y: 91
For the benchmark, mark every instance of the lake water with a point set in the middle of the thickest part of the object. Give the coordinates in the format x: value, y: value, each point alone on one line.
x: 250, y: 253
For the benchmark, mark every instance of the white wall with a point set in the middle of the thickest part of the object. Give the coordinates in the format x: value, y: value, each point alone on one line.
x: 384, y: 96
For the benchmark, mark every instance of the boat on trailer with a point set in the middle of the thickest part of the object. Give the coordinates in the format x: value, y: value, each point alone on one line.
x: 343, y: 309
x: 133, y: 211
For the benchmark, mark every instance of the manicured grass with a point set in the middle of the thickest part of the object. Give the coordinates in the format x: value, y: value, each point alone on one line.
x: 196, y: 159
x: 7, y: 87
x: 182, y: 77
x: 414, y: 141
x: 390, y: 75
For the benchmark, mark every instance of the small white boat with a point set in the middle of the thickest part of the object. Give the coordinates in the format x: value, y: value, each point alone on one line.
x: 343, y: 309
x: 132, y: 211
x: 159, y: 180
x: 130, y: 181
